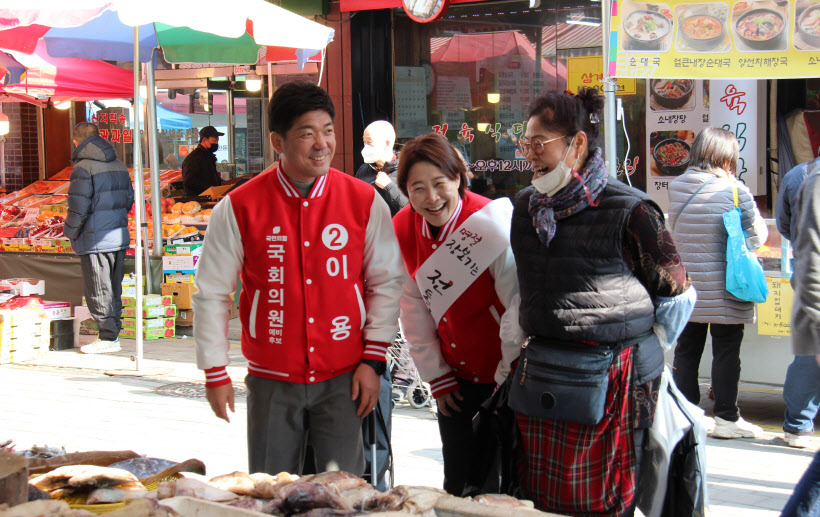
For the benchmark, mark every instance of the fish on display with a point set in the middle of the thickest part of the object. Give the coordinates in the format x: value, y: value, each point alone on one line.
x: 78, y: 476
x: 143, y: 467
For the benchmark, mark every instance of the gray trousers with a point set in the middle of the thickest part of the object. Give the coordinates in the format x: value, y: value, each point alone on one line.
x: 280, y: 414
x: 102, y: 287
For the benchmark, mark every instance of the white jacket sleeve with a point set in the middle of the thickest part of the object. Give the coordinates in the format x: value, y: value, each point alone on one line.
x: 422, y: 336
x: 505, y: 275
x: 384, y: 273
x: 217, y: 273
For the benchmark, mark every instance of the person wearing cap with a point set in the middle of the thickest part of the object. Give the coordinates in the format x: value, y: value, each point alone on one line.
x: 199, y: 168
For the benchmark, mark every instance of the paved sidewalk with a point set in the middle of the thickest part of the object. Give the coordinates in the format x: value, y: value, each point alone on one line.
x: 68, y: 400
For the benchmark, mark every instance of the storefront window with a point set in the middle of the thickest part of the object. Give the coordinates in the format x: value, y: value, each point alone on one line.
x: 472, y: 74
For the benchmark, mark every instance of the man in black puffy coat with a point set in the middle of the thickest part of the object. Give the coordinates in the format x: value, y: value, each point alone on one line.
x: 99, y: 197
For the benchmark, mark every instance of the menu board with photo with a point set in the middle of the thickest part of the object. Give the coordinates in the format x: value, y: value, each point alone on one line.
x: 678, y: 109
x: 411, y: 102
x: 716, y: 39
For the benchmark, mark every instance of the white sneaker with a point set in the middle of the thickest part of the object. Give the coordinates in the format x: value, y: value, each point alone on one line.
x: 101, y: 346
x: 798, y: 441
x: 708, y: 423
x: 739, y: 429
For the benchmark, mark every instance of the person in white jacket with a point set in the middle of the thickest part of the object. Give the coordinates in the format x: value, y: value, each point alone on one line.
x: 321, y: 276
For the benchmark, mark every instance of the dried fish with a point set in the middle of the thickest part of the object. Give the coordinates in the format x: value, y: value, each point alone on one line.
x: 116, y: 494
x: 82, y: 476
x: 193, y: 488
x: 143, y: 467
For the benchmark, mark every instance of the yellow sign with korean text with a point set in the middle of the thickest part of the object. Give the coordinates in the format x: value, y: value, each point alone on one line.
x: 774, y: 316
x: 588, y: 71
x: 732, y: 39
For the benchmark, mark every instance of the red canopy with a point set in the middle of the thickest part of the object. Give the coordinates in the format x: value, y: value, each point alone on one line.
x: 500, y: 50
x: 65, y: 79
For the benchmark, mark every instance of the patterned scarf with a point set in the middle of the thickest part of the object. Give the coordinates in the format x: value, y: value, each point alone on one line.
x: 573, y: 198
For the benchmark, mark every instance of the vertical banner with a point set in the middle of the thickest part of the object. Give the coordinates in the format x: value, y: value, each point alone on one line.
x: 676, y: 111
x: 734, y: 107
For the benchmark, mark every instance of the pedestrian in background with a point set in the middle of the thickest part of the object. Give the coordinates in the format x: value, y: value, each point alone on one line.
x: 801, y: 390
x: 597, y: 271
x: 100, y: 195
x: 805, y: 501
x: 697, y: 201
x: 380, y: 163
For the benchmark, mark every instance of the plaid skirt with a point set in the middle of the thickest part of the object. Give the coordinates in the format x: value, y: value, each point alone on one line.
x: 583, y: 470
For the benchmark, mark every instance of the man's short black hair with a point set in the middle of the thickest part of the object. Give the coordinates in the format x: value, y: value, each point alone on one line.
x: 294, y: 99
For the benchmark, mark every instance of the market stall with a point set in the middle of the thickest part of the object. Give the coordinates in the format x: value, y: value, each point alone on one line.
x: 122, y: 483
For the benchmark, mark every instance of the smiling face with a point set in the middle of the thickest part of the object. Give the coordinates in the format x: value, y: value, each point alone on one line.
x: 573, y: 151
x: 431, y: 193
x: 308, y: 146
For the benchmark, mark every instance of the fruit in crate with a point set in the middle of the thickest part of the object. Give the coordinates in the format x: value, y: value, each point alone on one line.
x: 176, y: 208
x: 206, y: 214
x: 191, y: 207
x: 23, y: 232
x: 9, y: 212
x: 171, y: 218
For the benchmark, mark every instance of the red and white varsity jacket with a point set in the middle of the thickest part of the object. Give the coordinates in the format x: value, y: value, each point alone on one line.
x: 466, y: 343
x: 320, y: 275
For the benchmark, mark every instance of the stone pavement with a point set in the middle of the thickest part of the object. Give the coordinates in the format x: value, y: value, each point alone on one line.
x: 68, y: 400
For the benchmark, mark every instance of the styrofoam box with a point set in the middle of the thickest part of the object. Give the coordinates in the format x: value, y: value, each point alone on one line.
x: 25, y: 287
x: 191, y: 507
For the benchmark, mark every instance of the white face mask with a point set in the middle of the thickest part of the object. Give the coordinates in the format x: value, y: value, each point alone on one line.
x: 559, y: 177
x: 371, y: 154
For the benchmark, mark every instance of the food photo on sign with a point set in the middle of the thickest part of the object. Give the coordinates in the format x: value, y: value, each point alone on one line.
x: 807, y: 25
x: 703, y: 27
x: 647, y: 27
x: 670, y: 151
x: 672, y: 94
x: 760, y: 26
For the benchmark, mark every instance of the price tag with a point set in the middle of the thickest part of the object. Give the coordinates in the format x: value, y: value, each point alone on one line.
x: 31, y: 215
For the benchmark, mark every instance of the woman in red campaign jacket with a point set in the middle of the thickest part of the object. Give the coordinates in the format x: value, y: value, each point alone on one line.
x: 456, y: 247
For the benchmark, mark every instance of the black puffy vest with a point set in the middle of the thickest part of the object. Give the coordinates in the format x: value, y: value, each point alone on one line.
x: 580, y: 287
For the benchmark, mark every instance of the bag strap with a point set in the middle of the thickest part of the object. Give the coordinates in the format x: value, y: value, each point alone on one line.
x: 734, y: 193
x: 675, y: 222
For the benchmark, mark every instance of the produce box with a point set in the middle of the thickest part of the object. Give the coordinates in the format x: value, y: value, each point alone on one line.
x: 179, y: 278
x: 20, y: 317
x: 193, y: 248
x: 84, y: 322
x: 217, y: 193
x: 185, y: 319
x: 57, y: 310
x: 130, y: 280
x: 179, y: 263
x: 162, y: 311
x: 148, y: 323
x: 182, y: 293
x: 154, y: 333
x: 27, y: 286
x: 149, y: 300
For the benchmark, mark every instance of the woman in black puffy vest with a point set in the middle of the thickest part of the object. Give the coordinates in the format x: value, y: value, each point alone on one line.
x: 602, y: 290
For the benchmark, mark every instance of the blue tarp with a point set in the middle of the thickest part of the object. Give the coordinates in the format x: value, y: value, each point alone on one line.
x: 167, y: 119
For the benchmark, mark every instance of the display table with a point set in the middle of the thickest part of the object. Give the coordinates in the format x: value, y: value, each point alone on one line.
x: 62, y: 273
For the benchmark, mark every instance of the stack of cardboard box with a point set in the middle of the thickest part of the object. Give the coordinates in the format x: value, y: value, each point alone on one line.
x: 24, y: 335
x: 179, y: 267
x: 158, y: 313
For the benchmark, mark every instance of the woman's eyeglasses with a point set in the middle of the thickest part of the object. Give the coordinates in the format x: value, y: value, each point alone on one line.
x: 535, y: 144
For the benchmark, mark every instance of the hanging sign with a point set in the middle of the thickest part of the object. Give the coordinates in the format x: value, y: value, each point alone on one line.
x: 774, y: 316
x: 588, y: 71
x: 715, y: 39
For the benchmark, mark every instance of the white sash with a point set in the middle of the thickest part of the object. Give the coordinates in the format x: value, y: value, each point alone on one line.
x: 463, y: 255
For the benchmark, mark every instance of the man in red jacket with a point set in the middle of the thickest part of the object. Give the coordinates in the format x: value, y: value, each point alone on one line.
x: 321, y: 276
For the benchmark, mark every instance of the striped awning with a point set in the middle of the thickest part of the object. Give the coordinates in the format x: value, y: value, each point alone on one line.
x: 568, y: 36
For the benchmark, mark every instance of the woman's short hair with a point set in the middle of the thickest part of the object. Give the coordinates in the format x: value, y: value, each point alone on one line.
x: 435, y: 149
x: 715, y: 148
x: 568, y: 113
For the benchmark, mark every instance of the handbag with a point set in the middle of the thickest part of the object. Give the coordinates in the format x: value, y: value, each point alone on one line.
x: 745, y: 279
x: 564, y: 381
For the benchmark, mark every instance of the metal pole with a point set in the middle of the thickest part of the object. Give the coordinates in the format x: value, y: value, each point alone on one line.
x: 231, y: 134
x: 610, y: 144
x: 139, y: 194
x: 146, y: 250
x: 153, y: 158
